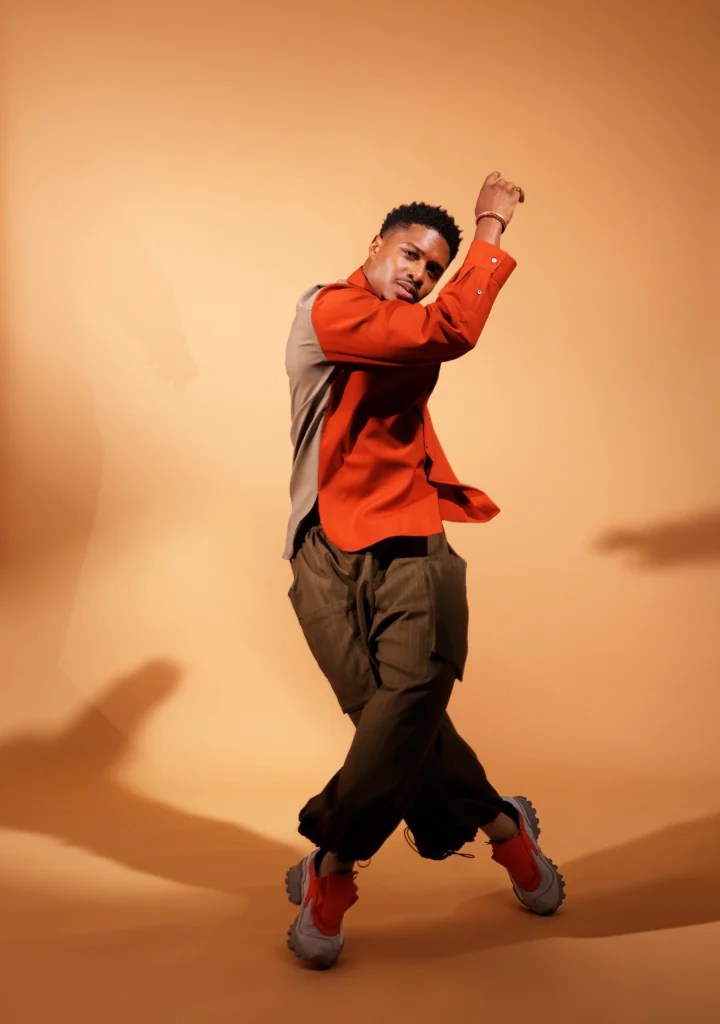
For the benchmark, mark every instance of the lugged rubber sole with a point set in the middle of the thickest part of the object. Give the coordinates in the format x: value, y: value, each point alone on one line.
x: 294, y: 889
x: 318, y: 963
x: 293, y: 884
x: 532, y: 817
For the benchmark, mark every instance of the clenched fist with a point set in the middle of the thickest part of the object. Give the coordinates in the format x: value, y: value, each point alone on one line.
x: 499, y: 196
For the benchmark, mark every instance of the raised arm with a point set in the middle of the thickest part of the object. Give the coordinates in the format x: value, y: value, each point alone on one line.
x: 353, y: 325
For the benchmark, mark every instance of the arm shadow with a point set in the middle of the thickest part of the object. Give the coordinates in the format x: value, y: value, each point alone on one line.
x: 666, y: 543
x: 67, y: 785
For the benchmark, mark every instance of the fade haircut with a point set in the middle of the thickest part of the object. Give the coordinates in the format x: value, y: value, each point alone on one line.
x: 429, y: 217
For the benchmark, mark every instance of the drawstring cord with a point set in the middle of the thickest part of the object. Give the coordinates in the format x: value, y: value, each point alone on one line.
x: 409, y: 839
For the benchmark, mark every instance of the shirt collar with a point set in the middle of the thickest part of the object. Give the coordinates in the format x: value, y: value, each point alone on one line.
x: 359, y: 279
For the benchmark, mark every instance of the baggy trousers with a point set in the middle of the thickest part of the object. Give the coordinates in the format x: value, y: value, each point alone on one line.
x: 388, y: 627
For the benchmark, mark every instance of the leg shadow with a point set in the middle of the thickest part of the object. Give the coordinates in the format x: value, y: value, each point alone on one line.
x: 664, y: 880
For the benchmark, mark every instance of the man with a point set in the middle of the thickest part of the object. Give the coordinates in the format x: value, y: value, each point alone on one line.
x: 378, y: 591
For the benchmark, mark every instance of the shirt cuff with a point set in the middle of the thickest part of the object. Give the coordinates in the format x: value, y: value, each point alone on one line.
x: 488, y: 256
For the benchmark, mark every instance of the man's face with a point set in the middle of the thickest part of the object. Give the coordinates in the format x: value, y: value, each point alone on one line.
x: 407, y: 263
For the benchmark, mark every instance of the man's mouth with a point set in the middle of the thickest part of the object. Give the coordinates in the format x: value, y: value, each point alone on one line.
x: 406, y: 291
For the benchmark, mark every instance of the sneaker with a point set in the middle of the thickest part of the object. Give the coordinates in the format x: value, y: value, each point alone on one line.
x: 536, y: 880
x: 316, y: 935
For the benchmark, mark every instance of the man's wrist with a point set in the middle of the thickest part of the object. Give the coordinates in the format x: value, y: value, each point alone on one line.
x: 488, y: 230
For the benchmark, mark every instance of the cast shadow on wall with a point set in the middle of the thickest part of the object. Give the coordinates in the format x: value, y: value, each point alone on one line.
x: 666, y: 544
x: 66, y: 785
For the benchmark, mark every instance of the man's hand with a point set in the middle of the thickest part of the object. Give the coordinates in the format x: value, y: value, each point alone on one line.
x: 499, y: 195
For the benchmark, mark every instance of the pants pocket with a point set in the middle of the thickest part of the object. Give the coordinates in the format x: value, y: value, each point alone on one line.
x: 328, y: 623
x: 293, y: 585
x: 446, y: 579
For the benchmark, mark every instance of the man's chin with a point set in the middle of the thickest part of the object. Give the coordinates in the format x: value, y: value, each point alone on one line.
x: 398, y: 293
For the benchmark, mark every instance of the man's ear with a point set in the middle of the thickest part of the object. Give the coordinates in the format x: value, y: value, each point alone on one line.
x: 375, y: 246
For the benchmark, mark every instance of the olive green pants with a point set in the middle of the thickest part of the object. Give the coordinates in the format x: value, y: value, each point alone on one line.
x: 388, y: 627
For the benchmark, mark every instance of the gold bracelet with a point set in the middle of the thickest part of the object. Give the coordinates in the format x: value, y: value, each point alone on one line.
x: 497, y: 216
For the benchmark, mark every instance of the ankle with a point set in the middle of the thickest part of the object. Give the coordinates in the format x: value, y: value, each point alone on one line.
x: 330, y: 864
x: 502, y: 829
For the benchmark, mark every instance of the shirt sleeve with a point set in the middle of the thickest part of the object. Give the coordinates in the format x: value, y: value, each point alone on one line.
x: 354, y: 326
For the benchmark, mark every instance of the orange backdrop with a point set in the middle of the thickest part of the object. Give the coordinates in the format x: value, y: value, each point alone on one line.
x: 173, y: 177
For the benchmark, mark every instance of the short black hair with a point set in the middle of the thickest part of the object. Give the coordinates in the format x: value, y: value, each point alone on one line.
x: 429, y: 217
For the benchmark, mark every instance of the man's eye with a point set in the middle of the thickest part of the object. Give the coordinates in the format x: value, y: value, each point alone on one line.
x: 410, y: 253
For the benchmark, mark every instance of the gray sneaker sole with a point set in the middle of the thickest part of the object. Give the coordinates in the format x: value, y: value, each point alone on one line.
x: 294, y: 888
x: 293, y: 884
x: 532, y: 817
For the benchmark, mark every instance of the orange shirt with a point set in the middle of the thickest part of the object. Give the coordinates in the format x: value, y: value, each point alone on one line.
x: 382, y: 471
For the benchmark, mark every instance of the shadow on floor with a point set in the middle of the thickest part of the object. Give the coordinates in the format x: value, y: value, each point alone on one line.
x: 664, y: 880
x: 64, y: 786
